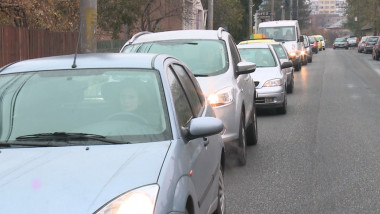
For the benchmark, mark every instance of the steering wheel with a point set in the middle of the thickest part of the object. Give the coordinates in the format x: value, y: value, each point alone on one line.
x: 127, y: 115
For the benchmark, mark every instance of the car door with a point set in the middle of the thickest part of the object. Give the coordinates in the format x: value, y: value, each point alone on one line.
x: 244, y: 82
x: 190, y: 103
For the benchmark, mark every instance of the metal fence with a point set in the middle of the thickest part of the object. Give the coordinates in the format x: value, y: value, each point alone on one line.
x: 19, y: 43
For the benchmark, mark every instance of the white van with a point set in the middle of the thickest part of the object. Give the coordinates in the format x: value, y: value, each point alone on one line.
x: 288, y: 32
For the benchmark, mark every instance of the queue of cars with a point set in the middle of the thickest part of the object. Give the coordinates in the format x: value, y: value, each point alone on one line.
x: 370, y: 44
x: 157, y: 118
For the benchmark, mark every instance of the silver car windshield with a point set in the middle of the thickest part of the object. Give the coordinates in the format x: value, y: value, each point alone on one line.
x: 204, y: 57
x: 263, y: 57
x: 125, y: 105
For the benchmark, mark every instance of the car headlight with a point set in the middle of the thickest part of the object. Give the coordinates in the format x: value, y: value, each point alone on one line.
x: 140, y: 200
x: 272, y: 83
x: 292, y: 54
x: 222, y: 97
x: 302, y: 52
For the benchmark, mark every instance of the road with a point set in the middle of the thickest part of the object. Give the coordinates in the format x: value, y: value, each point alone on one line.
x: 323, y: 156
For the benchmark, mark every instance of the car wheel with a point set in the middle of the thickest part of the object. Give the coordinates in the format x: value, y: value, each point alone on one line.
x: 252, y: 129
x: 304, y: 61
x: 310, y: 59
x: 377, y: 57
x: 242, y: 149
x: 221, y: 209
x: 298, y: 66
x: 283, y: 108
x: 289, y: 89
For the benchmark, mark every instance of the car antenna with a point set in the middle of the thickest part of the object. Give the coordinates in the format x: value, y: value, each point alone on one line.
x: 76, y: 50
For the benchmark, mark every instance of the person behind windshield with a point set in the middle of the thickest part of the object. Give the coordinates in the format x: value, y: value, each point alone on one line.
x: 129, y: 99
x: 288, y: 35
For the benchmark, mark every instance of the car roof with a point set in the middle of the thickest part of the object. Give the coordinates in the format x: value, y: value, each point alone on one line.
x: 256, y: 41
x: 176, y: 34
x: 276, y: 23
x: 97, y: 60
x: 253, y: 45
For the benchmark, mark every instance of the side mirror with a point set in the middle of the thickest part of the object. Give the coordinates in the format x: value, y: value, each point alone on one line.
x: 301, y: 39
x: 286, y: 65
x: 204, y: 126
x: 246, y: 67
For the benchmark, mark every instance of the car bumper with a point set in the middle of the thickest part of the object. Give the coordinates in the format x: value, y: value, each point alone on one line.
x: 270, y: 97
x: 230, y: 119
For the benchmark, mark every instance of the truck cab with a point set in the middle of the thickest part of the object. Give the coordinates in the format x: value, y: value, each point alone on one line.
x: 287, y: 32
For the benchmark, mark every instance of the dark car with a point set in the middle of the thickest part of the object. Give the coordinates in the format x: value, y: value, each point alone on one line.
x: 313, y: 44
x: 376, y: 50
x: 340, y: 43
x: 369, y: 43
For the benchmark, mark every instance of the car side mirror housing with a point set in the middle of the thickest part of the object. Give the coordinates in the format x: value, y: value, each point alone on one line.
x: 246, y: 67
x: 204, y: 126
x: 301, y: 39
x: 286, y: 65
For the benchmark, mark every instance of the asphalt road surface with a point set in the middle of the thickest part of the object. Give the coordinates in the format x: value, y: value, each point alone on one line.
x: 323, y: 156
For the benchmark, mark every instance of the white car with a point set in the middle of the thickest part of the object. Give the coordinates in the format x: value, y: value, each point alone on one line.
x: 270, y: 78
x: 223, y: 76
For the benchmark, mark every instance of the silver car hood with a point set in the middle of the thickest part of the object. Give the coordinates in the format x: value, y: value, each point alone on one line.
x: 263, y: 74
x: 73, y: 179
x: 213, y: 84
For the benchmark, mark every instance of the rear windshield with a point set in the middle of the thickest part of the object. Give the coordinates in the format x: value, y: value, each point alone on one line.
x: 340, y: 40
x: 372, y: 39
x: 263, y: 57
x: 204, y: 57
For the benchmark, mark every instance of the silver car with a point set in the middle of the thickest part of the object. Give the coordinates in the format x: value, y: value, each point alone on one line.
x: 224, y: 78
x: 283, y: 56
x: 110, y: 133
x: 270, y: 79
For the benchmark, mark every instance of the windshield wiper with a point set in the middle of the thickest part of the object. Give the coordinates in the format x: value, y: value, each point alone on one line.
x: 62, y: 136
x: 201, y: 75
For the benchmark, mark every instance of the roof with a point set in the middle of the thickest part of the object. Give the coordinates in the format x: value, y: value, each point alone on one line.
x: 256, y: 41
x: 278, y: 23
x: 178, y: 34
x: 98, y: 60
x: 253, y: 45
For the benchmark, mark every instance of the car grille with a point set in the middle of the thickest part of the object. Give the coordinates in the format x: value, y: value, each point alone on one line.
x: 260, y: 100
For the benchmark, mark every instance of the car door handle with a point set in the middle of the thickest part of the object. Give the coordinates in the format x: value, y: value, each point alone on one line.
x: 205, y: 141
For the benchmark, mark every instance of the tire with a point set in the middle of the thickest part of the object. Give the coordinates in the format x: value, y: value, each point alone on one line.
x: 309, y: 60
x: 242, y: 148
x: 377, y: 57
x: 304, y: 61
x: 298, y: 66
x: 290, y: 88
x: 221, y: 209
x: 283, y: 108
x: 252, y: 134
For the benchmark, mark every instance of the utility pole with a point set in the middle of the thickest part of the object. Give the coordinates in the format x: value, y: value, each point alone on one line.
x: 272, y: 11
x: 210, y: 15
x: 297, y: 11
x: 88, y: 21
x: 283, y: 10
x: 250, y: 17
x: 291, y: 10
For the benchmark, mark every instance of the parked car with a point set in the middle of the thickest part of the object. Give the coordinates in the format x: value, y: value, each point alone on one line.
x: 314, y: 44
x: 223, y: 76
x: 283, y: 56
x: 369, y: 43
x: 340, y: 43
x: 352, y: 42
x: 269, y: 77
x: 361, y: 44
x: 308, y: 52
x: 66, y: 148
x: 376, y: 50
x: 322, y: 45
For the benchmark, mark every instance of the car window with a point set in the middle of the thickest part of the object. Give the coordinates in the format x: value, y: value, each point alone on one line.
x: 372, y: 39
x: 85, y: 101
x: 194, y: 96
x: 281, y: 53
x: 286, y: 33
x: 203, y: 57
x: 234, y: 51
x: 263, y: 57
x: 311, y: 39
x: 181, y: 104
x: 340, y: 40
